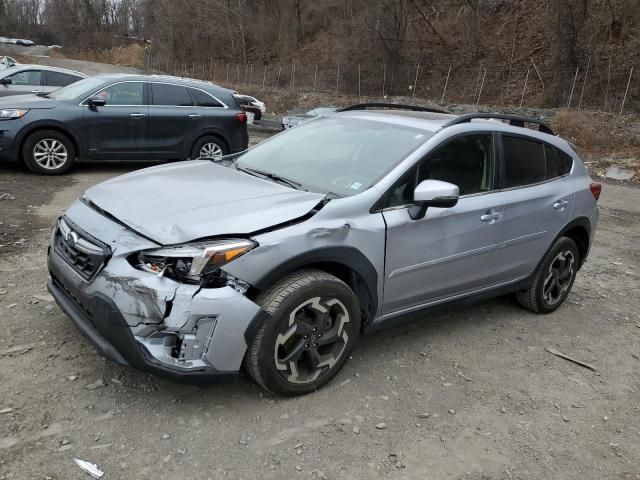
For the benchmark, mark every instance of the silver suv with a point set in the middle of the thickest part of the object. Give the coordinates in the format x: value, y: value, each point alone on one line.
x: 275, y: 260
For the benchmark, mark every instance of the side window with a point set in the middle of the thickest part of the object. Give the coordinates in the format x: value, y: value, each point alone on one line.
x: 465, y: 161
x: 524, y: 161
x: 203, y: 99
x: 128, y: 93
x: 57, y: 79
x: 242, y: 101
x: 558, y: 162
x: 170, y: 95
x: 27, y: 77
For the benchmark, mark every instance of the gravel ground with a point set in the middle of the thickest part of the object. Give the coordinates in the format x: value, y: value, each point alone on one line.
x: 466, y: 393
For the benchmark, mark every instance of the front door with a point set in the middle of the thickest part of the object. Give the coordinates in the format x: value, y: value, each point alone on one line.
x: 119, y: 129
x: 22, y: 83
x: 451, y: 251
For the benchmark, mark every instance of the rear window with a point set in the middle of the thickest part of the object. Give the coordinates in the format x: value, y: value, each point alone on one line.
x: 203, y: 99
x: 170, y: 95
x: 524, y: 161
x: 57, y: 79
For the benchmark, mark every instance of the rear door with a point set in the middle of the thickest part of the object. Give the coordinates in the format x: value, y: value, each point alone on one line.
x: 22, y: 83
x: 118, y: 130
x: 218, y: 120
x: 538, y: 202
x: 174, y: 121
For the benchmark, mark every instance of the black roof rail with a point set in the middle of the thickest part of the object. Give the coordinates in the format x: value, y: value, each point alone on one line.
x: 514, y: 120
x: 393, y: 106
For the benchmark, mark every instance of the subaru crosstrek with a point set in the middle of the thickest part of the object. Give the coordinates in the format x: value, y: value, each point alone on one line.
x: 274, y: 261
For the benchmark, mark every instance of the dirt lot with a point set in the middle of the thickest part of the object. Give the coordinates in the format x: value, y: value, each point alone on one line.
x: 468, y: 393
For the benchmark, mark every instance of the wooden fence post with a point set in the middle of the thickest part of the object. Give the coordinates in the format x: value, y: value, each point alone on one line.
x: 584, y: 83
x: 573, y: 84
x: 526, y: 79
x: 481, y: 85
x: 624, y: 99
x: 446, y: 82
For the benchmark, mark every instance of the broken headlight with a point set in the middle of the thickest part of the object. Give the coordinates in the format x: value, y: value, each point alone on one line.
x: 197, y: 263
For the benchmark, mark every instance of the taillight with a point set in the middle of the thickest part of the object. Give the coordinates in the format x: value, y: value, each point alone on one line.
x: 596, y: 189
x: 241, y: 117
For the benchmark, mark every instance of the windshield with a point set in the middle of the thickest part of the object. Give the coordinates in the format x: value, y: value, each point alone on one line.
x: 78, y: 89
x: 341, y: 155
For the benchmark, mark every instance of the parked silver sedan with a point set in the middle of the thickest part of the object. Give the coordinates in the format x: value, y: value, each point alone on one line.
x: 25, y: 79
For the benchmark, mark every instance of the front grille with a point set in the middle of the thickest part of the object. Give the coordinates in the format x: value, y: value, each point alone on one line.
x: 84, y: 253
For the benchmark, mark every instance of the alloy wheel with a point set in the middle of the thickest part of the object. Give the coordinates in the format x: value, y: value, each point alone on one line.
x: 559, y: 277
x: 313, y: 341
x: 50, y: 153
x: 210, y: 150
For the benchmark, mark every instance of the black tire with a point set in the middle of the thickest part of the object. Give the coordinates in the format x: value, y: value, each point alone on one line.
x: 201, y: 142
x: 60, y: 142
x: 284, y: 301
x: 543, y: 296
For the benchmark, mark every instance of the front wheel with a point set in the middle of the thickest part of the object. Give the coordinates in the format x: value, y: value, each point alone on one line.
x: 553, y: 279
x: 313, y: 325
x: 48, y: 152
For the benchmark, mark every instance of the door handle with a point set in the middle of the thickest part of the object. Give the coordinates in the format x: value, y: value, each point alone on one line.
x: 137, y: 115
x: 560, y: 204
x: 194, y: 115
x: 491, y: 216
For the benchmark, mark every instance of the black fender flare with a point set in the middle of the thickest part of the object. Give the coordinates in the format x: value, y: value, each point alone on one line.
x: 348, y: 257
x: 583, y: 222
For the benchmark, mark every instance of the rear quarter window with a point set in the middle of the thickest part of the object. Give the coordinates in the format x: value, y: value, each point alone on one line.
x: 203, y: 99
x: 558, y: 162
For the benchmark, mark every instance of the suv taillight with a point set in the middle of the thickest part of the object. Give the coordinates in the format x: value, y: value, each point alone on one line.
x: 596, y: 189
x: 241, y: 117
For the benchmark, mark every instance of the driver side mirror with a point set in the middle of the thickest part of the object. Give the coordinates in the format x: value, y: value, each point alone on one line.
x: 6, y: 81
x: 433, y: 193
x: 96, y: 101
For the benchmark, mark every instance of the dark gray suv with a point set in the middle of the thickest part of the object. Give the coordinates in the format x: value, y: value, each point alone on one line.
x: 123, y: 117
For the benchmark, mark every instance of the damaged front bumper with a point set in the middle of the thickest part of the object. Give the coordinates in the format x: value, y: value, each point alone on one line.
x: 140, y: 319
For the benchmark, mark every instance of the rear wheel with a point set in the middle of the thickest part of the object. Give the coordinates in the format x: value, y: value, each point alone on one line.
x: 208, y: 147
x: 313, y: 325
x: 48, y: 152
x: 553, y: 279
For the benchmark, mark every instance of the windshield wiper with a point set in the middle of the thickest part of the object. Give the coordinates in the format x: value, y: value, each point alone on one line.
x: 272, y: 176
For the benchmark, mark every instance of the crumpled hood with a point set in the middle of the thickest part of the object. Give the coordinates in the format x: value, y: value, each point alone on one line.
x: 186, y: 201
x: 29, y: 101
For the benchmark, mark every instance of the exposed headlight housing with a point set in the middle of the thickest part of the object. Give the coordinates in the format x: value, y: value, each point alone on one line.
x: 196, y: 263
x: 12, y: 113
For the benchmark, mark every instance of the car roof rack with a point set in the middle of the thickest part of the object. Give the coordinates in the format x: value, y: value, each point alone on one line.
x: 514, y: 120
x: 391, y: 106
